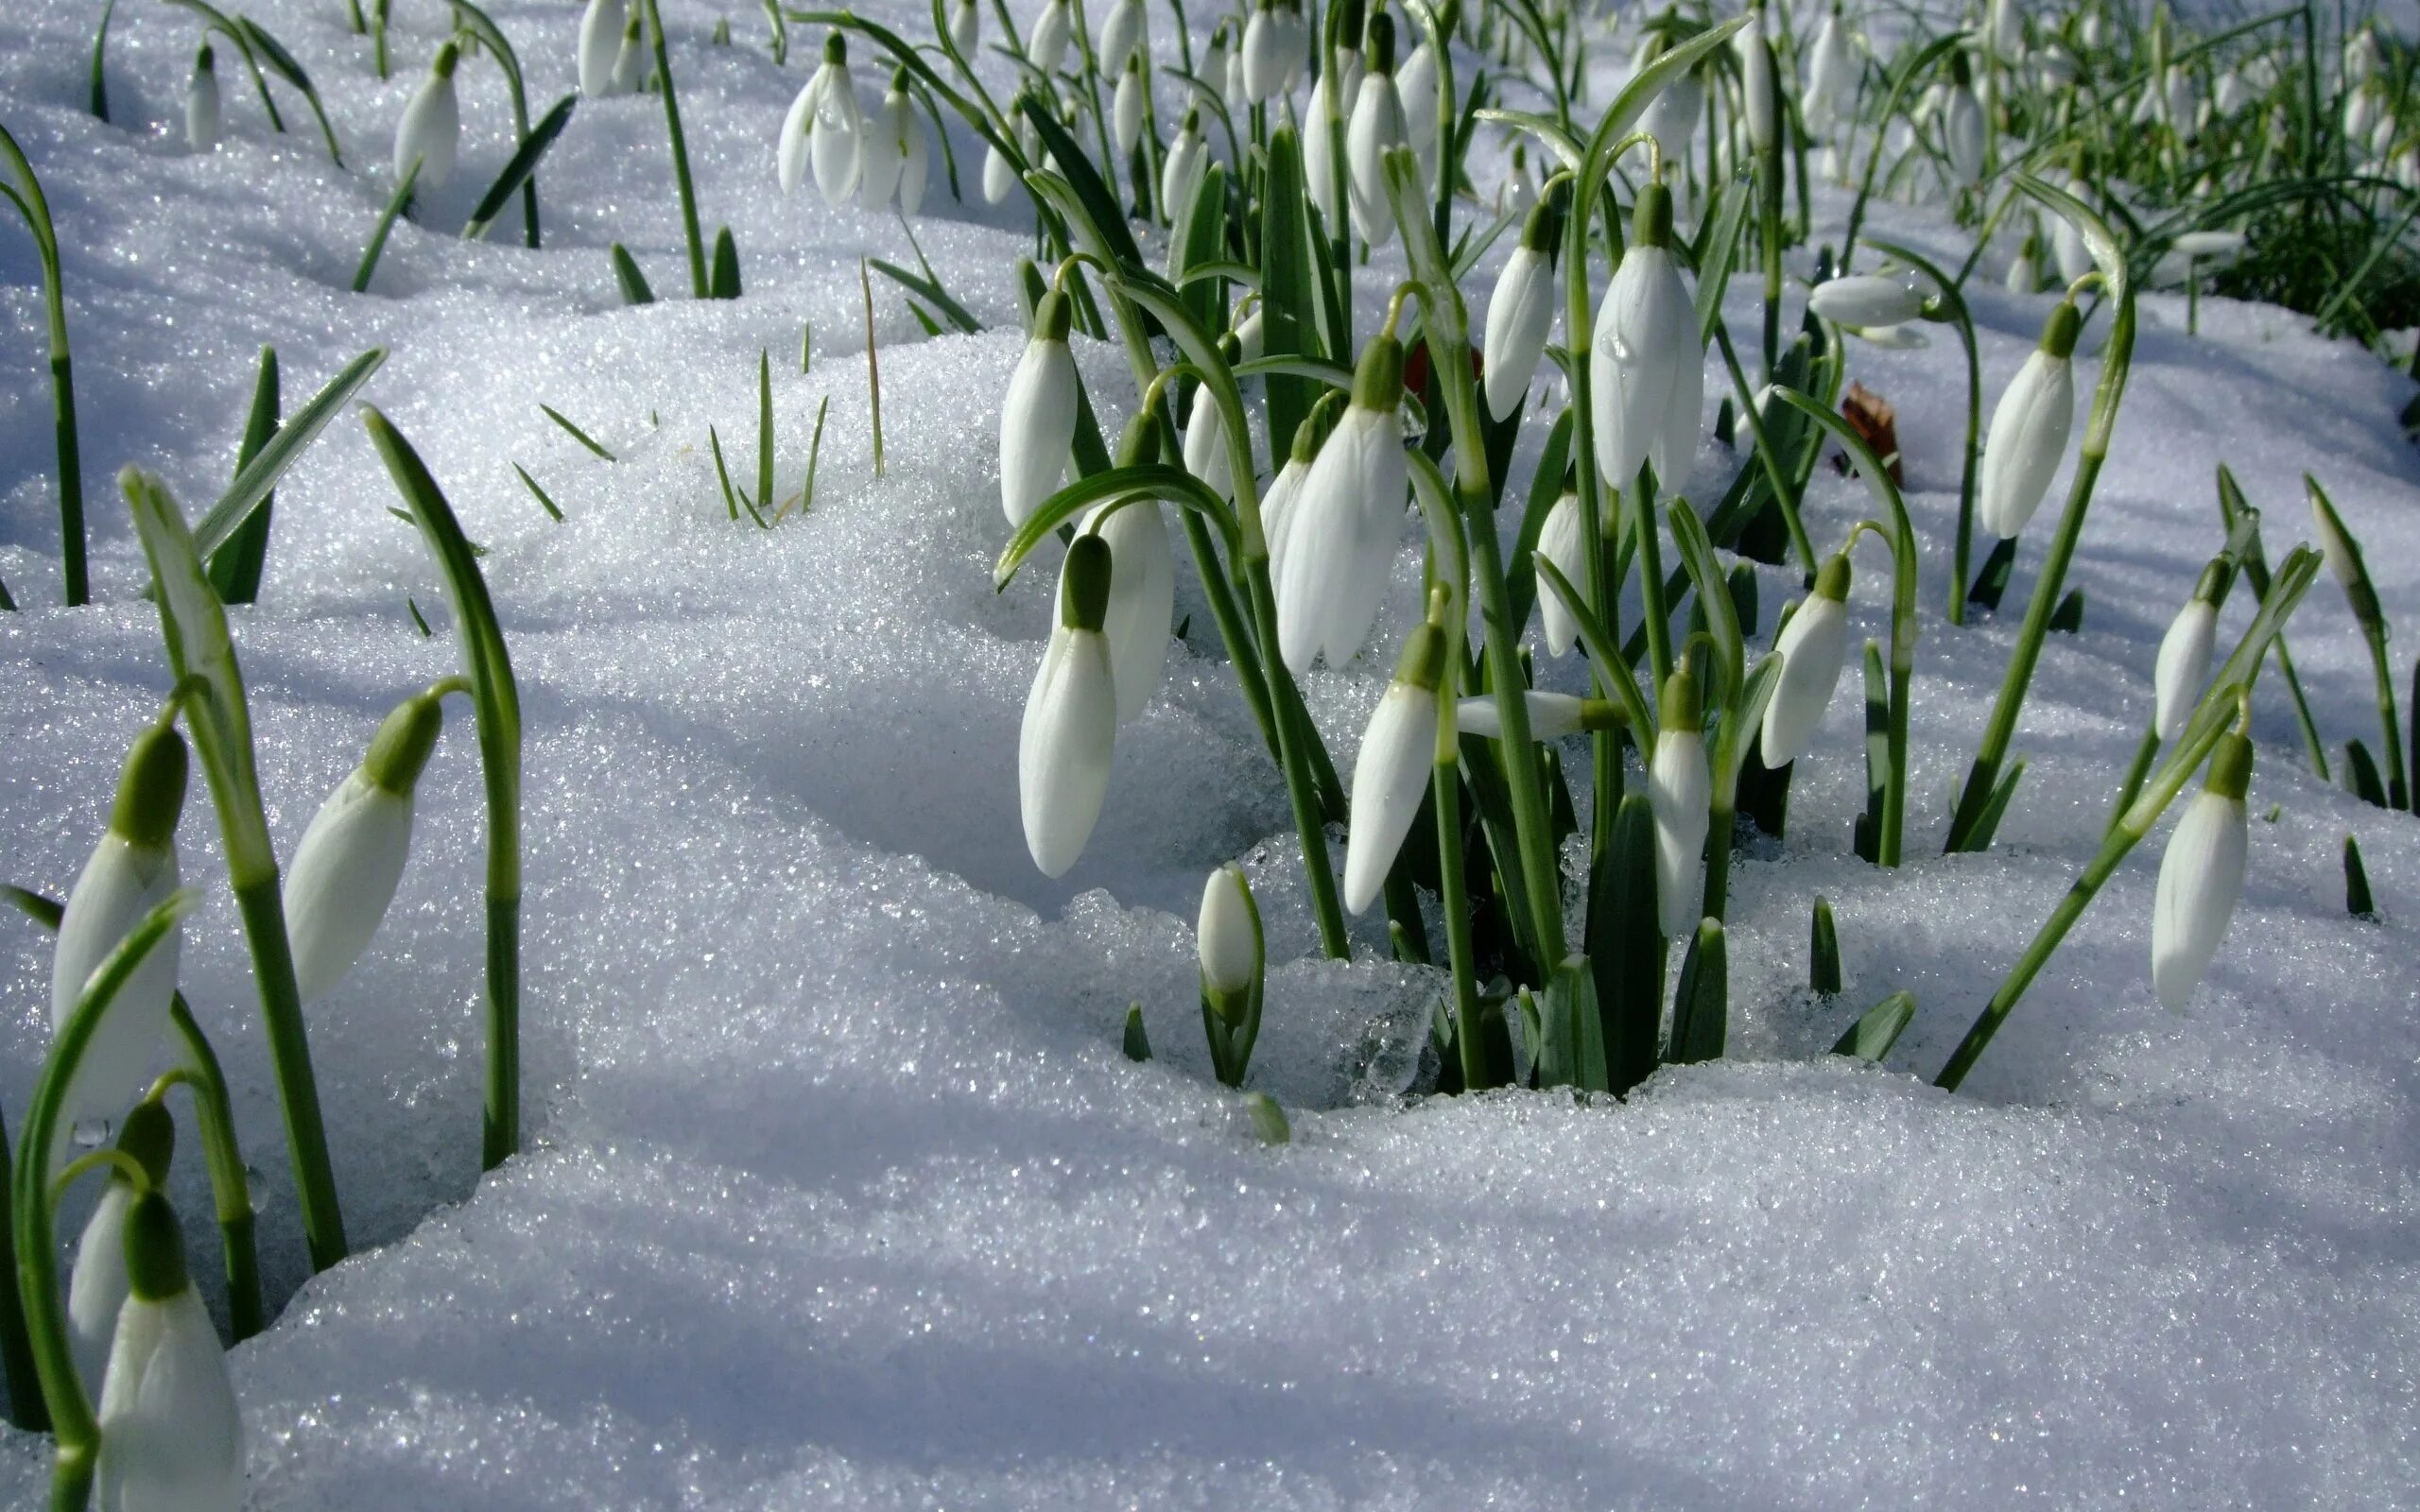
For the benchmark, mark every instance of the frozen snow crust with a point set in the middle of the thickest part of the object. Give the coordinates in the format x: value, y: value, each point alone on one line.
x: 839, y: 1193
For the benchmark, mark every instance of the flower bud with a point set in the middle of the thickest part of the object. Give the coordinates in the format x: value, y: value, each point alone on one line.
x: 1520, y: 314
x: 171, y: 1434
x: 600, y: 42
x: 2029, y: 428
x: 1680, y: 793
x: 1552, y: 716
x: 431, y: 128
x: 1227, y: 935
x: 1065, y: 746
x: 1343, y: 526
x: 1812, y: 648
x: 1038, y: 418
x: 1398, y: 750
x: 96, y: 1286
x: 1647, y: 366
x: 1869, y: 300
x: 201, y: 103
x: 1562, y: 540
x: 351, y: 857
x: 2184, y: 661
x: 2201, y: 877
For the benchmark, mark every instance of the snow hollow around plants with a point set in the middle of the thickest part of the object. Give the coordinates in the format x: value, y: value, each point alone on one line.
x: 838, y: 1192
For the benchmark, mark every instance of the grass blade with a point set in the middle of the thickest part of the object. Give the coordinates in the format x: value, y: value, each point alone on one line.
x: 518, y: 168
x: 576, y: 434
x: 258, y: 476
x: 395, y: 203
x: 236, y: 568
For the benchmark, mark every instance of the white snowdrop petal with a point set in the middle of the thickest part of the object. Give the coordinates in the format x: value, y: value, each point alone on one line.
x: 2201, y: 877
x: 1037, y: 426
x: 342, y: 878
x: 1142, y: 600
x: 1519, y: 317
x: 1064, y: 746
x: 172, y: 1438
x: 1388, y: 775
x: 120, y: 884
x: 1680, y: 792
x: 1813, y: 646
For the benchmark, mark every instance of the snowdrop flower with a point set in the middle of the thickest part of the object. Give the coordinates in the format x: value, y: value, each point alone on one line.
x: 172, y: 1439
x: 1812, y: 646
x: 1647, y: 368
x: 2211, y: 246
x: 201, y: 103
x: 2025, y: 273
x: 1142, y: 579
x: 1761, y: 83
x: 1126, y: 108
x: 836, y: 140
x: 1263, y: 54
x: 2343, y: 558
x: 1121, y: 33
x: 2092, y: 31
x: 2029, y: 428
x: 1070, y: 716
x: 1228, y: 945
x: 2201, y: 877
x: 965, y: 28
x: 1520, y: 314
x: 1319, y: 163
x: 999, y: 171
x: 2180, y: 100
x: 1213, y: 72
x: 1552, y: 716
x: 352, y: 856
x: 2362, y: 56
x: 1247, y: 334
x: 1963, y: 128
x: 630, y: 64
x: 915, y: 154
x: 1831, y: 74
x: 1869, y: 300
x: 1342, y: 531
x: 1679, y: 791
x: 2232, y: 93
x: 130, y: 872
x: 1278, y: 505
x: 1562, y: 540
x: 97, y: 1285
x: 1416, y: 92
x: 1046, y: 46
x: 431, y: 127
x: 1297, y: 43
x: 886, y: 147
x: 2055, y: 69
x: 1398, y: 750
x: 1038, y: 418
x: 1232, y: 87
x: 1672, y: 117
x: 1185, y: 165
x: 1205, y: 449
x: 2007, y: 29
x: 2067, y: 245
x: 600, y: 46
x: 1516, y: 195
x: 2184, y: 662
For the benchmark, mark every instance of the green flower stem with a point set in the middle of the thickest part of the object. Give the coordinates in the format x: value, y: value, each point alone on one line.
x: 76, y: 1435
x: 27, y: 196
x: 2117, y: 356
x: 230, y: 1186
x: 1785, y: 495
x: 476, y: 21
x: 2397, y: 791
x: 1954, y: 310
x: 264, y: 914
x: 26, y: 1410
x: 1448, y: 336
x: 681, y: 181
x: 2138, y: 771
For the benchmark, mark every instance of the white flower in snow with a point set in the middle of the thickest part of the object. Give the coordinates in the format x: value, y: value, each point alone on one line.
x: 1520, y: 314
x: 1122, y: 35
x: 1185, y: 165
x: 352, y: 856
x: 2184, y: 661
x: 431, y: 128
x: 1342, y: 530
x: 2030, y: 429
x: 1046, y: 46
x: 1561, y: 540
x: 201, y: 103
x: 1070, y: 727
x: 1646, y: 362
x: 1206, y: 448
x: 885, y: 153
x: 96, y: 1284
x: 1813, y: 645
x: 1679, y: 791
x: 1264, y: 54
x: 835, y: 136
x: 1126, y: 106
x: 1963, y: 129
x: 630, y: 64
x: 1038, y: 418
x: 600, y: 46
x: 1142, y: 595
x: 1552, y: 716
x: 1416, y: 92
x: 1319, y: 163
x: 1672, y: 117
x: 1760, y: 82
x: 965, y: 28
x: 1831, y: 75
x: 172, y: 1438
x: 1278, y: 505
x: 2201, y: 877
x: 1226, y: 932
x: 1377, y: 125
x: 1398, y: 750
x: 915, y: 154
x: 130, y: 872
x: 1869, y: 300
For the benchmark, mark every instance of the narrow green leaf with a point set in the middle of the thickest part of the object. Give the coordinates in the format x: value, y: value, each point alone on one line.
x: 723, y: 283
x: 1624, y: 947
x: 518, y: 168
x: 236, y: 568
x: 1823, y: 965
x: 575, y: 433
x: 2067, y: 619
x: 1878, y: 1028
x: 1267, y: 1119
x: 1137, y: 1043
x: 1701, y: 1004
x: 386, y: 217
x: 257, y: 477
x: 633, y: 284
x: 539, y: 494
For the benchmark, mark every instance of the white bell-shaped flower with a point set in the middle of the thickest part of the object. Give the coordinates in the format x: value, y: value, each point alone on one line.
x: 1264, y: 54
x: 1552, y: 716
x: 1672, y: 117
x: 915, y: 156
x: 1812, y: 646
x: 1341, y: 532
x: 431, y: 127
x: 835, y: 138
x: 1038, y: 418
x: 1520, y: 314
x: 1122, y: 35
x: 351, y: 858
x: 1870, y: 299
x: 96, y: 1284
x: 1831, y: 75
x: 1226, y: 933
x: 965, y: 28
x: 1962, y: 130
x: 1416, y: 93
x: 1398, y: 752
x: 2184, y: 661
x: 2007, y: 29
x: 1680, y: 793
x: 1185, y: 165
x: 1070, y: 727
x: 1294, y: 53
x: 201, y: 103
x: 132, y: 871
x: 1126, y: 106
x: 1286, y: 489
x: 1232, y: 88
x: 1046, y: 45
x: 791, y: 147
x: 1319, y: 163
x: 1376, y: 126
x: 1647, y: 365
x: 630, y: 64
x: 2025, y: 273
x: 172, y: 1438
x: 1141, y: 581
x: 2201, y: 877
x: 600, y: 46
x: 999, y: 172
x: 1760, y: 82
x: 2029, y: 428
x: 1206, y: 454
x: 1562, y: 541
x: 2069, y: 249
x: 887, y: 139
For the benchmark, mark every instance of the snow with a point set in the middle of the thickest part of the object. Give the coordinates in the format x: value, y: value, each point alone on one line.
x: 839, y: 1193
